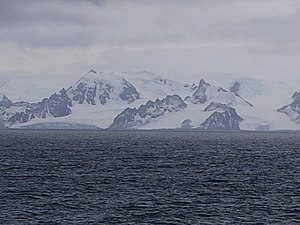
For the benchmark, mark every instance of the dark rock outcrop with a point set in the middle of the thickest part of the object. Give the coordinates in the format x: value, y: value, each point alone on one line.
x: 132, y: 118
x: 235, y: 89
x: 5, y: 102
x: 214, y: 106
x: 293, y: 109
x: 226, y: 120
x: 57, y: 105
x: 93, y: 88
x: 186, y: 124
x: 199, y: 96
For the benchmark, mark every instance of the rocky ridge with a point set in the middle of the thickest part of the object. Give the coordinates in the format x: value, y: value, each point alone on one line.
x: 292, y: 110
x: 128, y: 103
x: 136, y: 117
x: 57, y: 105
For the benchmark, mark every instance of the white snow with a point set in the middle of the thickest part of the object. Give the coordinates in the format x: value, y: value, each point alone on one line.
x: 153, y: 86
x: 265, y: 95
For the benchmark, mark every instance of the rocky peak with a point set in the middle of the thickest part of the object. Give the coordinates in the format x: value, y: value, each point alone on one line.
x: 296, y: 97
x: 293, y: 109
x: 99, y: 88
x: 199, y: 96
x: 5, y: 101
x: 59, y: 104
x: 202, y: 83
x: 226, y: 120
x: 235, y: 88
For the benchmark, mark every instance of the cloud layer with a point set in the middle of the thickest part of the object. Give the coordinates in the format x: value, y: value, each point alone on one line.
x: 80, y: 23
x: 71, y: 35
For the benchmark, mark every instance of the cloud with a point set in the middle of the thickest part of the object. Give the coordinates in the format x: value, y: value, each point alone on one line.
x: 190, y: 37
x: 132, y: 23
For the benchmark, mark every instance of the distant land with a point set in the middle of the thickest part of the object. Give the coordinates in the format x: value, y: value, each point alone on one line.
x: 145, y: 100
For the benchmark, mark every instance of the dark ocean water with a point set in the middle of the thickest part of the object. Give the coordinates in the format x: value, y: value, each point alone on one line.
x: 102, y: 177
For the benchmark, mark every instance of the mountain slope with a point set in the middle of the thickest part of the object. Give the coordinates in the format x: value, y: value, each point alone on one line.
x: 99, y: 88
x: 152, y: 86
x: 57, y: 105
x: 292, y: 110
x: 136, y: 118
x: 209, y: 93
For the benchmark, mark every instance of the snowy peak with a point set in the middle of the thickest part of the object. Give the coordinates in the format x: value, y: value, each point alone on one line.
x: 206, y: 92
x: 209, y: 93
x: 100, y: 88
x: 153, y: 86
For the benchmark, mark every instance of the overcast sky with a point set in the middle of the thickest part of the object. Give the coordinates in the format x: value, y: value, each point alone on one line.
x: 181, y: 39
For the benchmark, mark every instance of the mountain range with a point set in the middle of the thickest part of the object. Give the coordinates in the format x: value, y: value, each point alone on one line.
x: 144, y: 100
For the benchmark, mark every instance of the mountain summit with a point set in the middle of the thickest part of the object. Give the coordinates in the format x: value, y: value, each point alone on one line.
x: 99, y: 88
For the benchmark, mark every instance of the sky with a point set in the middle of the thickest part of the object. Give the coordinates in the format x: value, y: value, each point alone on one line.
x: 185, y: 40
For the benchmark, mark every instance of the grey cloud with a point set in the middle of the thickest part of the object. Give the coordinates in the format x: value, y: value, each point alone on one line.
x: 79, y: 23
x: 28, y: 12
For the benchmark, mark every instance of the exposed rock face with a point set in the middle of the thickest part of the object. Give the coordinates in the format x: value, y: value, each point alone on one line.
x: 209, y: 93
x: 19, y: 112
x: 57, y: 105
x: 97, y: 88
x: 127, y: 119
x: 216, y: 106
x: 5, y: 102
x: 199, y: 96
x: 186, y: 124
x: 226, y: 120
x: 132, y: 118
x: 235, y: 88
x: 11, y: 113
x: 292, y: 110
x: 128, y: 92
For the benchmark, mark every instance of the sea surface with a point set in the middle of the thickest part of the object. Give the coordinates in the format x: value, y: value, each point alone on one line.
x: 149, y: 177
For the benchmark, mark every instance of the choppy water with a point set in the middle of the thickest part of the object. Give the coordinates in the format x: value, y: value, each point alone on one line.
x: 97, y: 177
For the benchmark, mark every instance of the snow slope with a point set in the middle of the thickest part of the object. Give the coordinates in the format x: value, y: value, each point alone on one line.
x: 152, y: 86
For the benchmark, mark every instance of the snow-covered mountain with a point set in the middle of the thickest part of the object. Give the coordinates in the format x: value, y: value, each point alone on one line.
x: 152, y: 86
x: 99, y: 88
x: 144, y: 100
x: 223, y: 118
x: 292, y: 110
x: 206, y: 92
x: 136, y: 118
x: 57, y: 105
